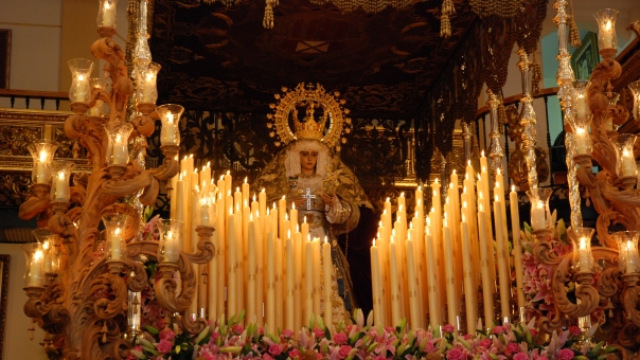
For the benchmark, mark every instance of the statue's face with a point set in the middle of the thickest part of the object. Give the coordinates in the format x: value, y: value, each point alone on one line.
x: 308, y: 160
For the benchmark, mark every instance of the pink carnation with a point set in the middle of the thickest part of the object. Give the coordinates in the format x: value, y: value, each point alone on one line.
x: 565, y: 354
x: 294, y: 353
x: 287, y: 333
x: 448, y: 328
x: 574, y: 330
x: 167, y: 334
x: 521, y: 356
x: 275, y: 349
x: 340, y: 338
x: 512, y: 348
x: 485, y: 343
x: 237, y: 329
x: 319, y: 333
x: 164, y: 346
x: 344, y: 351
x: 431, y: 346
x: 498, y: 330
x: 456, y: 354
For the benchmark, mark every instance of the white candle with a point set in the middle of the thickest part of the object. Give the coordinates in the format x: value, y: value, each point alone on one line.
x: 171, y: 247
x: 35, y: 268
x: 116, y: 244
x: 232, y: 302
x: 538, y: 215
x: 487, y: 283
x: 375, y: 278
x: 414, y: 305
x: 47, y: 248
x: 149, y: 92
x: 81, y: 89
x: 205, y: 219
x: 61, y: 187
x: 43, y: 173
x: 469, y: 290
x: 168, y: 130
x: 607, y: 35
x: 251, y: 291
x: 271, y: 284
x: 628, y: 164
x: 120, y: 151
x: 580, y: 105
x: 581, y: 141
x: 449, y: 274
x: 504, y: 276
x: 205, y: 178
x: 584, y: 250
x: 262, y: 202
x: 279, y: 262
x: 245, y: 190
x: 517, y: 247
x: 432, y: 280
x: 395, y: 286
x: 290, y: 284
x: 108, y: 14
x: 629, y: 252
x: 317, y: 276
x: 308, y: 308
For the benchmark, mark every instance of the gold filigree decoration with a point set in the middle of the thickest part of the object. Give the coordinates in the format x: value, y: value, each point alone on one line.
x: 324, y: 116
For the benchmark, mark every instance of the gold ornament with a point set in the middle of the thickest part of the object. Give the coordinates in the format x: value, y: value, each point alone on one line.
x: 324, y: 118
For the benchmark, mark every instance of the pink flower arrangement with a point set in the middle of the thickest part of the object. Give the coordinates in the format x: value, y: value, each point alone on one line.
x: 537, y: 276
x: 360, y: 341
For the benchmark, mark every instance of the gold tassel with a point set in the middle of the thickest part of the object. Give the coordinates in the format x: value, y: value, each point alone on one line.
x: 445, y: 22
x: 448, y: 8
x: 445, y: 26
x: 574, y: 33
x: 267, y: 23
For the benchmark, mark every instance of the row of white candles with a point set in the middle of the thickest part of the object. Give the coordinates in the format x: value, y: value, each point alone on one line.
x: 265, y: 263
x: 424, y: 266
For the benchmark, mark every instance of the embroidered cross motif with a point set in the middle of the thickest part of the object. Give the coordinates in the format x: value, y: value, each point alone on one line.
x: 309, y: 197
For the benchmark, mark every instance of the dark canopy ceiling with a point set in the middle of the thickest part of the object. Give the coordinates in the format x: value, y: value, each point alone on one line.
x: 214, y: 58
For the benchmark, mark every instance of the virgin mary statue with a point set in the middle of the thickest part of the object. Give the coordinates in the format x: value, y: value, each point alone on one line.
x: 324, y: 190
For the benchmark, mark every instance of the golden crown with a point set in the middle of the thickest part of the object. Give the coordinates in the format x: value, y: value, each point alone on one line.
x: 309, y: 129
x: 313, y: 125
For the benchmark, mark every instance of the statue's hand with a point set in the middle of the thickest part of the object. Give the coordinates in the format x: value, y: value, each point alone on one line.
x: 328, y: 199
x: 300, y: 202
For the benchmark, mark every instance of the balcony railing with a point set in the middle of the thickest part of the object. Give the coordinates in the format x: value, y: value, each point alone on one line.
x: 30, y: 99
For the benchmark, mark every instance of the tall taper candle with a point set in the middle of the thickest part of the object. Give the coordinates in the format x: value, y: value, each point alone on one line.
x: 271, y: 286
x: 375, y: 279
x: 517, y: 247
x: 449, y: 275
x: 503, y: 275
x: 470, y: 294
x: 289, y: 322
x: 487, y: 283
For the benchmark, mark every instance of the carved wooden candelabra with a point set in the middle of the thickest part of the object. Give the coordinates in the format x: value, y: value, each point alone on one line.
x: 80, y: 295
x: 605, y: 275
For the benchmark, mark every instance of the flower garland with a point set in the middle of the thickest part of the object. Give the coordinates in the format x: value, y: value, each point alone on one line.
x: 364, y: 341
